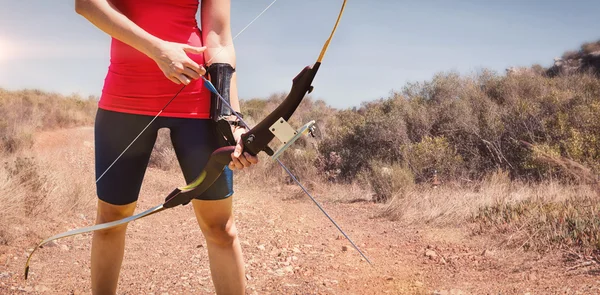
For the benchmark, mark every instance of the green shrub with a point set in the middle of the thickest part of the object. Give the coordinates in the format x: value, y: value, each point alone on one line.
x: 433, y: 154
x: 467, y: 127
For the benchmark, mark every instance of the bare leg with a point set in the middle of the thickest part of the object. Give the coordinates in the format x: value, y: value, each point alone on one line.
x: 224, y: 251
x: 108, y: 247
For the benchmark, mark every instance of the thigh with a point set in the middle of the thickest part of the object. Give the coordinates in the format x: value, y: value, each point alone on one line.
x: 214, y: 215
x: 113, y: 132
x: 194, y: 140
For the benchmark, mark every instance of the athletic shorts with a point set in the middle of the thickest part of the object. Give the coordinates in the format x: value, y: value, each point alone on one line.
x: 193, y: 140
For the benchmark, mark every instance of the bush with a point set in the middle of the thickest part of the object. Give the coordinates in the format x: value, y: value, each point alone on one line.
x: 387, y: 181
x: 433, y: 154
x: 468, y: 127
x: 301, y: 163
x: 377, y: 133
x: 465, y: 127
x: 163, y: 155
x: 590, y: 47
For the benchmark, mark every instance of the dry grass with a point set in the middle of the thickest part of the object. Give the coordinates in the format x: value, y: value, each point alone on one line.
x: 539, y: 216
x: 569, y: 220
x: 24, y: 112
x: 40, y: 189
x: 450, y: 203
x: 33, y: 187
x: 566, y: 220
x: 163, y: 155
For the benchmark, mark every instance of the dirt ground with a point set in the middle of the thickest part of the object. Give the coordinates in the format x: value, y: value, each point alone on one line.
x: 289, y: 248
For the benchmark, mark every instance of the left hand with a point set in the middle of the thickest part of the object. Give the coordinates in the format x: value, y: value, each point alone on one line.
x: 240, y: 160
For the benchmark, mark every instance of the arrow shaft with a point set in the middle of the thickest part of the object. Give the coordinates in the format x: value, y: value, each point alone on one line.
x: 323, y: 210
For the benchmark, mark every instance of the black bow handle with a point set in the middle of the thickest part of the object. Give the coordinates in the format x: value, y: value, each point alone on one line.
x: 258, y: 138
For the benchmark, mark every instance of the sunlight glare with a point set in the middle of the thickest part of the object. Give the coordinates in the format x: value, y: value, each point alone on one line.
x: 4, y: 49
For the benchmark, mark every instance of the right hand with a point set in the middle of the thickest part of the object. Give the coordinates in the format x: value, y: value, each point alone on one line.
x: 177, y: 66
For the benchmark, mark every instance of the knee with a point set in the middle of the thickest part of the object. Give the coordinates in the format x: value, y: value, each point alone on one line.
x: 222, y: 234
x: 107, y: 213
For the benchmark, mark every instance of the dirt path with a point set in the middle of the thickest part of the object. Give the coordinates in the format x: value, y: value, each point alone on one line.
x: 289, y: 247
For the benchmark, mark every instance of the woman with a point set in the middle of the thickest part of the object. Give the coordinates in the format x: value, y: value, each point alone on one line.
x: 157, y: 48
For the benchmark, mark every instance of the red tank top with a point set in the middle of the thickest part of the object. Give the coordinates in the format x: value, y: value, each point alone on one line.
x: 134, y: 82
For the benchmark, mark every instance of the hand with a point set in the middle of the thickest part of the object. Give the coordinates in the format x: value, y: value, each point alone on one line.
x: 240, y: 160
x: 177, y: 66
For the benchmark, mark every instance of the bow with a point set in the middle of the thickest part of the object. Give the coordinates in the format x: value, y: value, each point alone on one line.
x: 254, y: 141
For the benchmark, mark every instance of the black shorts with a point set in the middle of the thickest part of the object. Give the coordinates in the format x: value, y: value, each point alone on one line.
x: 193, y: 140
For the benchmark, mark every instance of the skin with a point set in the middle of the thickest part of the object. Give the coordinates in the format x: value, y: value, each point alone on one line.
x: 215, y: 218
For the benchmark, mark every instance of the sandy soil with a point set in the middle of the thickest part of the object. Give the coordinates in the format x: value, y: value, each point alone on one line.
x: 289, y: 246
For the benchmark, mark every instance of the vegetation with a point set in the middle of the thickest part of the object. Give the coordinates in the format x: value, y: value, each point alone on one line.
x: 31, y: 187
x: 534, y: 129
x: 24, y: 112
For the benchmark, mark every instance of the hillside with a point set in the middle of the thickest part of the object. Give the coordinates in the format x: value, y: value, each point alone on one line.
x: 586, y: 59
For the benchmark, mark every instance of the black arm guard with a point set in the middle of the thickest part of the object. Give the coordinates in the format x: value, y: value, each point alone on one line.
x: 220, y: 76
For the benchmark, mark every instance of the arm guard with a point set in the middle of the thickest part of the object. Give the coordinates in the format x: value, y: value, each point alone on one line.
x: 220, y: 76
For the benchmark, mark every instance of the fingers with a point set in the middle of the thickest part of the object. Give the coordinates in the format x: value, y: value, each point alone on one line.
x: 238, y: 150
x: 178, y: 66
x: 181, y: 74
x: 239, y: 163
x: 235, y: 164
x: 194, y: 49
x: 183, y: 79
x: 190, y: 63
x: 239, y: 158
x: 236, y: 161
x: 174, y: 80
x: 251, y: 159
x: 243, y: 161
x: 191, y: 73
x: 192, y: 66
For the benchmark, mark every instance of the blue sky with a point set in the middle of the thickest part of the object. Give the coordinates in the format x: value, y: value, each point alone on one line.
x: 379, y: 46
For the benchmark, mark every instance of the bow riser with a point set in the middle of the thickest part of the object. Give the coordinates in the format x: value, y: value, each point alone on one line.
x: 255, y: 140
x: 258, y: 138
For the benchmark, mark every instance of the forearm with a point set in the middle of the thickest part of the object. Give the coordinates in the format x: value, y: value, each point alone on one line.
x: 109, y: 19
x: 216, y: 35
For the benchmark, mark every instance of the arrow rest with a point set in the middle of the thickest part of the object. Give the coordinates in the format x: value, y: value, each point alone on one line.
x: 287, y: 135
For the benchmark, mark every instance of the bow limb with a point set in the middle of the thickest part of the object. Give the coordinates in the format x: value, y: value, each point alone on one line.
x: 213, y: 169
x: 180, y: 196
x: 91, y: 229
